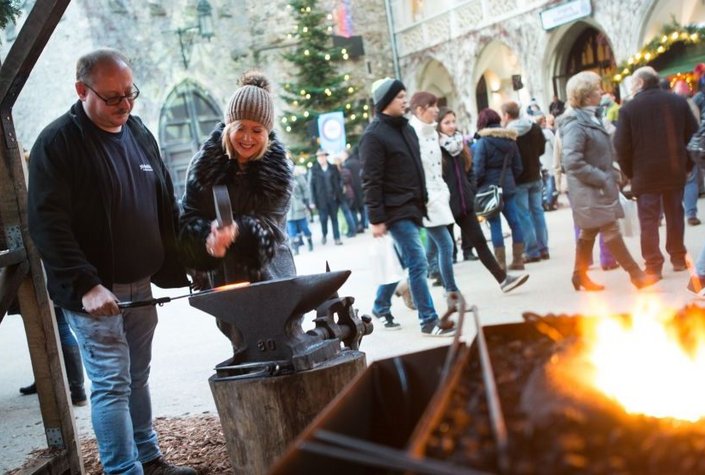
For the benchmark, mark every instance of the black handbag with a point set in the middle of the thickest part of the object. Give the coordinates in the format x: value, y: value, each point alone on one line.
x: 488, y: 201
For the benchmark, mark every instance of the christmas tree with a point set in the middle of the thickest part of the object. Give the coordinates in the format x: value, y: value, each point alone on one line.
x: 317, y: 86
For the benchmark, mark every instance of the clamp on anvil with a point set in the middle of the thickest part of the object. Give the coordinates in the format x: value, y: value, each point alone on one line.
x: 268, y: 317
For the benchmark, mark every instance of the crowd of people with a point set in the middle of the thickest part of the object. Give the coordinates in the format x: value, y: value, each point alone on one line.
x: 96, y: 176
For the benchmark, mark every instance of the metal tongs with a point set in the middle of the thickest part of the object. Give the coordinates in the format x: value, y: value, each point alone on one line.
x: 495, y: 408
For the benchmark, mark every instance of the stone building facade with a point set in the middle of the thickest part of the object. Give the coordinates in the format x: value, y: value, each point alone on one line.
x: 467, y: 51
x: 181, y: 103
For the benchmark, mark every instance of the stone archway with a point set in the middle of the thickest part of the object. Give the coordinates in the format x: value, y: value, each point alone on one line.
x: 661, y: 12
x: 580, y: 46
x: 495, y: 66
x: 435, y: 78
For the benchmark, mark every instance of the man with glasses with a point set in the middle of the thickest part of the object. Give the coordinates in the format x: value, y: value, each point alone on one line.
x: 103, y: 216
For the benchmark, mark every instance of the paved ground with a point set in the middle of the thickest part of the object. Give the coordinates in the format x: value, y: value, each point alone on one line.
x: 188, y: 345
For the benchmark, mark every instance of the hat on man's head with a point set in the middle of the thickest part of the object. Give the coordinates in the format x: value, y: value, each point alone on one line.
x: 252, y: 101
x: 384, y: 91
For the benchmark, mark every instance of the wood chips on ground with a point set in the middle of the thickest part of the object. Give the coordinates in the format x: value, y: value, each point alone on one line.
x: 196, y: 441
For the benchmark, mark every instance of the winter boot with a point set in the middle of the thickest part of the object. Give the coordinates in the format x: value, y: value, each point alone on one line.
x: 580, y: 280
x: 639, y: 278
x: 74, y: 374
x: 310, y: 244
x: 501, y: 257
x: 517, y: 256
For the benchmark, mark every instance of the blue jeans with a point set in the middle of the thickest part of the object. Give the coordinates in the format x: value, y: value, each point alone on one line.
x: 117, y: 351
x: 65, y: 334
x: 349, y: 219
x: 383, y: 299
x: 649, y: 210
x: 296, y: 227
x: 406, y: 236
x: 691, y: 192
x: 700, y: 263
x: 509, y: 211
x: 332, y: 213
x: 529, y: 203
x: 441, y: 238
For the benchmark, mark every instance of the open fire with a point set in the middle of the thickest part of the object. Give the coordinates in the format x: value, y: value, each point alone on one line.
x: 583, y: 394
x: 652, y: 363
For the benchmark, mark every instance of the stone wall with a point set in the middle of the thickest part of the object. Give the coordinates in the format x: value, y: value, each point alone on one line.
x: 248, y: 33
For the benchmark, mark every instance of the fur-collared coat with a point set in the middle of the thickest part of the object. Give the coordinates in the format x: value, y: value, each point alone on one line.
x: 493, y: 147
x: 259, y: 195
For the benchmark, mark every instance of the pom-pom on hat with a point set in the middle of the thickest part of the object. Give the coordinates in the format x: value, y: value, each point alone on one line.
x: 252, y: 101
x: 384, y: 91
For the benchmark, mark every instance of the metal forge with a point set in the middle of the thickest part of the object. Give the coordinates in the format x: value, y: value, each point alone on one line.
x: 281, y: 377
x: 569, y: 393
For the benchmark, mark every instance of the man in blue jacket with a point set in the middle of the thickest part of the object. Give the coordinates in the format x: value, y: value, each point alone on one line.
x: 395, y: 193
x: 103, y: 216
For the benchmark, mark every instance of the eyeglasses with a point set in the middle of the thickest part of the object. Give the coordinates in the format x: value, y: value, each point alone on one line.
x: 115, y: 100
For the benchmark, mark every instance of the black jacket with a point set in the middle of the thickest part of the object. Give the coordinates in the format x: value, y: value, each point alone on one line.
x: 491, y: 149
x: 326, y: 187
x: 259, y: 197
x: 462, y: 194
x: 392, y: 175
x: 69, y: 202
x: 652, y: 132
x: 531, y: 145
x: 353, y: 164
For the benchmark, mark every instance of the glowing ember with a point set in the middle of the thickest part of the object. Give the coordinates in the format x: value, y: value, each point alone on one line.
x: 653, y: 364
x: 236, y: 285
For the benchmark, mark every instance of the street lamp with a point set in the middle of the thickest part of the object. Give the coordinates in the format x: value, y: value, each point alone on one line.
x: 203, y: 29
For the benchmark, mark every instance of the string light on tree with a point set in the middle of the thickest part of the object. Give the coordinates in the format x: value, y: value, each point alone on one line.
x: 316, y: 77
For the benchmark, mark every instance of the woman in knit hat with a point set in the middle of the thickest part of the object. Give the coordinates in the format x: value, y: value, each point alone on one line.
x: 243, y: 154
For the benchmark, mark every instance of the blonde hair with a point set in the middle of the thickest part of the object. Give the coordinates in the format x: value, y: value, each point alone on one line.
x: 580, y: 86
x: 228, y: 146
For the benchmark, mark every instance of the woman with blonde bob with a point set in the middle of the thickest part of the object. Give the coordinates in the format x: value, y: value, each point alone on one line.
x: 244, y: 155
x: 593, y: 182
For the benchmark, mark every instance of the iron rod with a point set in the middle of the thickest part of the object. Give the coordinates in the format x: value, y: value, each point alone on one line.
x: 496, y: 417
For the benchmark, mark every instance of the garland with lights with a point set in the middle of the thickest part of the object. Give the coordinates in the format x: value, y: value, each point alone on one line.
x: 317, y: 86
x: 670, y: 34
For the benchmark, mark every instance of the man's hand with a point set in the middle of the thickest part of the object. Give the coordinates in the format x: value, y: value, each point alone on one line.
x: 220, y: 239
x: 100, y: 302
x: 378, y: 230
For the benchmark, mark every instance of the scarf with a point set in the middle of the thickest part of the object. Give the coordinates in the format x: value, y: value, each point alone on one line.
x: 453, y: 145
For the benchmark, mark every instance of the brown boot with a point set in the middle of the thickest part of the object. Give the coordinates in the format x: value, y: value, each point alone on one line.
x: 501, y: 257
x: 517, y: 257
x: 580, y: 279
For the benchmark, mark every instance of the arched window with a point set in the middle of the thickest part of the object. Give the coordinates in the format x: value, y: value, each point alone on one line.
x: 187, y: 118
x: 591, y: 51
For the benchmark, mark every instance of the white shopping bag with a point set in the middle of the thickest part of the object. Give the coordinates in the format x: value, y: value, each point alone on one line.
x: 630, y: 222
x: 386, y: 267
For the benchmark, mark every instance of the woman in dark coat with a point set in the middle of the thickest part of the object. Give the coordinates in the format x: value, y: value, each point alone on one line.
x: 457, y: 163
x: 244, y: 155
x: 493, y: 147
x: 593, y: 182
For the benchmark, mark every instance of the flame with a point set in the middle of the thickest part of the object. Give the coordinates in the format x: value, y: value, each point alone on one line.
x: 236, y: 285
x: 651, y: 364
